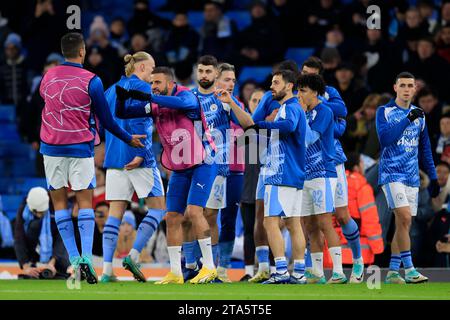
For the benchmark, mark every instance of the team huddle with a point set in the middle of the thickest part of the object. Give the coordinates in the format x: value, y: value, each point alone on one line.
x: 203, y: 132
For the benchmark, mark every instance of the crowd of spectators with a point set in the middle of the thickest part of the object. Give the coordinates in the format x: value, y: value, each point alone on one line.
x: 359, y: 62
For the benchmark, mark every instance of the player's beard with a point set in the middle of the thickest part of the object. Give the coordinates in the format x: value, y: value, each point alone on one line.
x: 278, y: 96
x: 205, y: 84
x: 165, y: 92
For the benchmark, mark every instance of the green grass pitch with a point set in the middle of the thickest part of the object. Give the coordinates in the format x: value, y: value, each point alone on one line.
x: 49, y: 290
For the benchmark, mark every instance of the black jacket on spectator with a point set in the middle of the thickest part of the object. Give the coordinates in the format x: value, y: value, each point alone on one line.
x: 110, y: 68
x: 435, y: 71
x: 143, y: 20
x: 182, y: 45
x: 217, y: 39
x: 264, y: 36
x: 42, y: 36
x: 25, y: 243
x: 13, y: 81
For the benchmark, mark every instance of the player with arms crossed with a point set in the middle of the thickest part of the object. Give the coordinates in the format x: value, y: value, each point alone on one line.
x: 131, y: 170
x: 404, y: 143
x: 72, y: 97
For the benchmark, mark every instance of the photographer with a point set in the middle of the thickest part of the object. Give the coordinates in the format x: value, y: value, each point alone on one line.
x: 37, y: 239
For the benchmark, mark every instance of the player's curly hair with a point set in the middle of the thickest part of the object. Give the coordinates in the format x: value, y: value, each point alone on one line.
x: 132, y: 59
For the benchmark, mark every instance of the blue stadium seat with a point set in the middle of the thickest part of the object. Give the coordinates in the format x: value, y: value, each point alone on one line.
x: 7, y: 185
x: 12, y: 203
x: 157, y: 4
x: 169, y: 15
x: 7, y: 113
x: 196, y: 19
x: 242, y: 4
x: 299, y: 55
x: 242, y: 18
x: 11, y: 214
x: 24, y: 186
x: 9, y: 132
x: 259, y: 74
x: 23, y: 168
x: 17, y: 150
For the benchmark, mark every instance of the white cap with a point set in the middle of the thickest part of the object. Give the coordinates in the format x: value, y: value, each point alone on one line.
x: 38, y: 199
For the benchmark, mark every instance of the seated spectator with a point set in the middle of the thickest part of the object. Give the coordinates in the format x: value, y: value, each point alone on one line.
x: 426, y: 11
x: 444, y: 245
x: 101, y: 210
x: 362, y: 208
x: 352, y: 92
x: 361, y: 129
x: 443, y: 43
x: 330, y: 59
x: 139, y: 42
x: 428, y: 100
x: 119, y: 36
x: 415, y: 28
x: 35, y: 226
x: 260, y: 43
x: 127, y: 235
x: 101, y: 57
x: 246, y: 90
x: 430, y: 67
x: 5, y: 30
x: 143, y: 19
x: 13, y: 78
x: 42, y: 31
x: 182, y: 42
x: 323, y: 16
x: 437, y: 233
x: 218, y: 32
x: 444, y: 19
x: 383, y: 60
x: 443, y: 144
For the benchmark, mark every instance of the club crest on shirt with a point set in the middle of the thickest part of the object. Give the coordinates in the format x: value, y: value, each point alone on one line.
x: 417, y: 122
x: 214, y: 107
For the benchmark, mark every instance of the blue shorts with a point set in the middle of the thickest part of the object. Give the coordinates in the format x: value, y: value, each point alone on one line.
x: 190, y: 187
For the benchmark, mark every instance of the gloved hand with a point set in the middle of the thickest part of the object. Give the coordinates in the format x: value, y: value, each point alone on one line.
x: 434, y: 188
x: 415, y: 113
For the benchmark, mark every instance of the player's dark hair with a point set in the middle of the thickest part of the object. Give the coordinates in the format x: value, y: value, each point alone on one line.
x: 208, y: 60
x: 165, y: 71
x: 353, y: 159
x: 404, y: 75
x: 71, y: 44
x: 288, y: 76
x: 313, y: 62
x: 290, y: 65
x: 314, y: 82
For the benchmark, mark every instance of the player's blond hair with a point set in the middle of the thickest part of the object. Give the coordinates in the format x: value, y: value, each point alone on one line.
x: 132, y: 59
